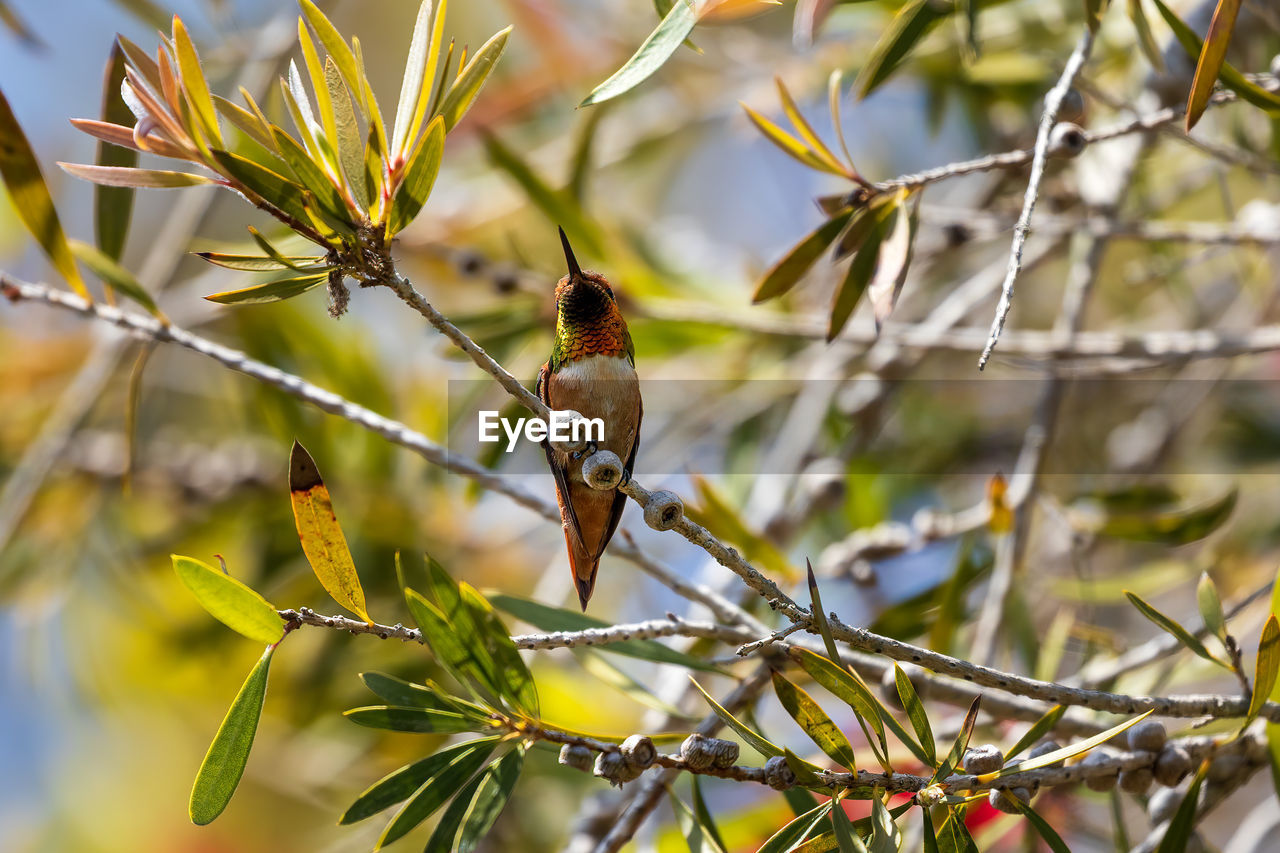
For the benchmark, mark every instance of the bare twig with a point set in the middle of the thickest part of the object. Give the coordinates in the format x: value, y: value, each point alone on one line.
x: 1053, y: 102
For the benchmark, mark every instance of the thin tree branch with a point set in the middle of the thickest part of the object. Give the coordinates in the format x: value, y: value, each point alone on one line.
x: 1053, y: 103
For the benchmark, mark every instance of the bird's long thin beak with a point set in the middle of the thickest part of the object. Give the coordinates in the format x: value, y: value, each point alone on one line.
x: 574, y: 269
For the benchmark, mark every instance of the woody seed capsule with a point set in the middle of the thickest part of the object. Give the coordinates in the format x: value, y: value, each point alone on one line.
x: 1225, y: 766
x: 1147, y: 736
x: 577, y: 756
x: 1002, y: 800
x: 696, y: 752
x: 663, y: 510
x: 638, y: 752
x: 613, y: 767
x: 1136, y: 781
x: 1045, y: 747
x: 724, y: 753
x: 1172, y: 765
x: 602, y: 470
x: 1100, y: 757
x: 778, y: 774
x: 983, y: 759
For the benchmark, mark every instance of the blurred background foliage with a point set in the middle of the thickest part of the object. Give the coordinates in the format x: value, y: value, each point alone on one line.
x: 112, y: 678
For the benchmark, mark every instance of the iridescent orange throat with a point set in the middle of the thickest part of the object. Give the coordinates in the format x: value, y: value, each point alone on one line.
x: 588, y: 321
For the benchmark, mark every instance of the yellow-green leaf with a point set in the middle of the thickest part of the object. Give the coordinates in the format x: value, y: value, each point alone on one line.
x: 419, y: 178
x: 276, y: 290
x: 113, y: 206
x: 816, y: 724
x: 1211, y: 607
x: 230, y: 601
x: 858, y: 276
x: 118, y: 176
x: 758, y: 742
x: 1212, y: 54
x: 806, y: 131
x: 1266, y: 667
x: 791, y: 268
x: 1230, y: 75
x: 115, y: 276
x: 337, y: 48
x: 224, y: 763
x: 1172, y: 527
x: 193, y: 82
x: 789, y: 144
x: 471, y: 78
x: 350, y: 145
x: 320, y: 534
x: 651, y: 55
x: 1180, y: 633
x: 31, y: 200
x: 428, y: 73
x: 411, y: 82
x: 1066, y: 752
x: 911, y: 24
x: 915, y: 713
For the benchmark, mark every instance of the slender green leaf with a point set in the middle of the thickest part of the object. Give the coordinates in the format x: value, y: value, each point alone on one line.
x: 1041, y: 826
x: 411, y: 82
x: 194, y: 84
x: 705, y: 819
x: 757, y: 741
x: 118, y: 176
x: 815, y: 722
x: 546, y: 618
x: 425, y: 98
x: 416, y: 720
x: 1039, y: 729
x: 313, y: 177
x: 397, y: 691
x: 1230, y: 75
x: 445, y: 834
x: 494, y: 792
x: 347, y: 127
x: 1066, y: 752
x: 272, y: 187
x: 230, y: 601
x: 655, y: 51
x: 915, y: 713
x: 1181, y: 634
x: 856, y: 279
x: 419, y: 178
x: 248, y: 122
x: 790, y: 145
x: 472, y: 77
x: 434, y: 793
x: 114, y: 275
x: 224, y: 763
x: 113, y: 206
x: 1146, y: 39
x: 31, y: 200
x: 258, y: 263
x: 337, y: 48
x: 1265, y: 668
x: 952, y: 761
x: 324, y: 96
x: 515, y: 684
x: 454, y: 646
x: 929, y: 837
x: 806, y: 131
x: 272, y: 291
x: 1212, y: 55
x: 791, y: 268
x: 788, y: 836
x: 885, y: 837
x: 909, y: 26
x: 849, y: 687
x: 1211, y: 607
x: 398, y: 786
x: 848, y: 840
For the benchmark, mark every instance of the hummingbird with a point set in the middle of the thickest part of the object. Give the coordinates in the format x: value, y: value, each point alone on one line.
x: 591, y: 371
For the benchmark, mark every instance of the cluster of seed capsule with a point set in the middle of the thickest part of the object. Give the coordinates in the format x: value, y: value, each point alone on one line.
x: 637, y: 754
x: 1170, y: 766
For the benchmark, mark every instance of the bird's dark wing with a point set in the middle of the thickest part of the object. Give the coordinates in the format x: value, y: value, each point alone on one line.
x: 567, y: 513
x: 619, y: 499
